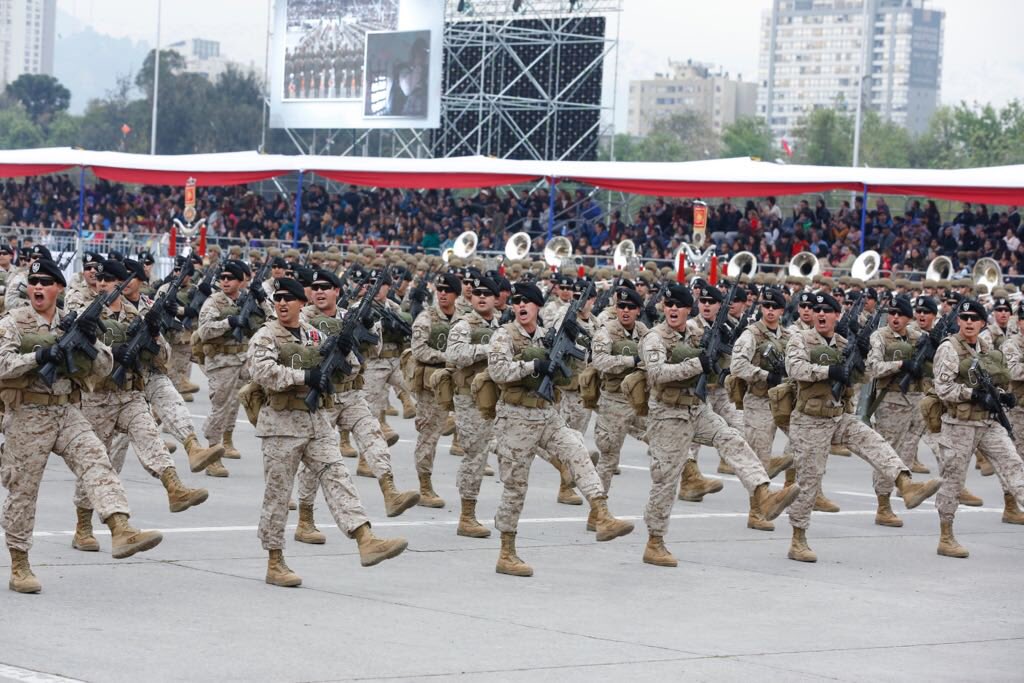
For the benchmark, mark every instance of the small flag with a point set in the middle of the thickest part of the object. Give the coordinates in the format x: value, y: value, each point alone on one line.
x: 786, y: 148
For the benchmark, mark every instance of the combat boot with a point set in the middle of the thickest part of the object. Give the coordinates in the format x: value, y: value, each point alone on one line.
x: 428, y: 496
x: 390, y: 435
x: 278, y: 573
x: 216, y: 469
x: 607, y: 526
x: 566, y: 492
x: 756, y: 520
x: 823, y: 504
x: 918, y: 467
x: 790, y: 477
x: 83, y: 538
x: 306, y: 531
x: 656, y: 553
x: 840, y: 450
x: 724, y: 467
x: 230, y: 452
x: 468, y: 524
x: 969, y: 499
x: 179, y: 496
x: 408, y: 405
x: 913, y: 493
x: 390, y: 411
x: 948, y: 545
x: 373, y: 550
x: 22, y: 578
x: 884, y: 516
x: 984, y: 464
x: 776, y: 465
x: 449, y: 426
x: 170, y: 446
x: 126, y: 540
x: 200, y: 458
x: 1011, y: 513
x: 396, y: 503
x: 798, y: 548
x: 488, y: 470
x: 345, y: 446
x: 456, y: 448
x: 187, y: 398
x: 508, y: 562
x: 694, y: 486
x: 771, y: 504
x: 363, y: 468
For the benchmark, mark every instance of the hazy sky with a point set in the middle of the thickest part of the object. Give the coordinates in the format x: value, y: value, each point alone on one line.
x: 983, y: 60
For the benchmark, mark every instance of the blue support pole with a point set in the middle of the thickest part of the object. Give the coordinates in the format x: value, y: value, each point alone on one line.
x: 863, y: 218
x: 551, y: 207
x: 81, y: 201
x: 298, y: 212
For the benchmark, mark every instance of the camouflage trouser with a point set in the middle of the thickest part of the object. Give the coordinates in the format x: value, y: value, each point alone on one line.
x: 351, y: 414
x: 381, y: 373
x: 902, y: 425
x: 474, y: 437
x: 718, y: 400
x: 430, y: 419
x: 811, y: 438
x: 127, y: 412
x: 615, y: 418
x: 30, y: 433
x: 169, y: 407
x: 759, y: 427
x: 281, y: 458
x: 224, y: 385
x: 572, y: 411
x: 180, y: 367
x: 957, y: 442
x: 522, y: 433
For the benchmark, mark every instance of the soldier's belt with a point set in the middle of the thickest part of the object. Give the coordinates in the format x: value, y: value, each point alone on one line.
x: 390, y: 351
x: 41, y: 399
x: 296, y: 400
x: 222, y: 349
x: 515, y: 395
x: 676, y: 397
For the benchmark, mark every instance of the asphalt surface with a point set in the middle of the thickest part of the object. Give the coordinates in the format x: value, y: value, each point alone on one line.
x: 878, y: 605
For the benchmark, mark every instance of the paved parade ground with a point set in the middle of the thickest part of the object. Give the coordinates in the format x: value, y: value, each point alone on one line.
x: 878, y: 605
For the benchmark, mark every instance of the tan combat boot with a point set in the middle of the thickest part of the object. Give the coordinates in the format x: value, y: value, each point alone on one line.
x: 656, y: 553
x: 756, y: 520
x: 373, y: 550
x: 840, y: 450
x: 798, y: 548
x: 771, y: 504
x: 126, y: 540
x: 456, y: 448
x: 508, y: 562
x: 428, y: 496
x: 390, y: 411
x: 823, y: 504
x: 292, y: 505
x: 200, y: 458
x: 179, y: 496
x: 969, y: 499
x: 790, y: 477
x: 170, y: 446
x: 694, y: 486
x: 83, y: 538
x: 188, y: 387
x: 449, y: 426
x: 396, y: 503
x: 607, y: 526
x: 776, y: 465
x: 948, y: 545
x: 390, y: 435
x: 884, y: 516
x: 345, y: 446
x: 363, y: 468
x: 187, y: 398
x: 1011, y: 513
x: 278, y: 573
x: 913, y: 493
x: 22, y: 578
x: 724, y: 467
x: 566, y: 492
x: 216, y: 469
x: 408, y: 405
x: 984, y: 464
x: 468, y: 524
x: 230, y: 452
x: 918, y: 467
x: 306, y: 531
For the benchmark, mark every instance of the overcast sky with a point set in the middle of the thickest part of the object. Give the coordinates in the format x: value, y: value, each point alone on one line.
x: 983, y: 56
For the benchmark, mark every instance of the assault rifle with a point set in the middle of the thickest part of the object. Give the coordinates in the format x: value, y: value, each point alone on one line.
x: 74, y: 339
x: 852, y: 357
x: 419, y: 294
x: 986, y: 384
x: 649, y: 316
x: 713, y: 343
x: 749, y: 313
x: 606, y: 296
x: 391, y: 321
x: 848, y: 325
x: 354, y: 331
x: 561, y: 345
x: 250, y: 301
x: 927, y: 345
x: 775, y: 360
x: 199, y: 296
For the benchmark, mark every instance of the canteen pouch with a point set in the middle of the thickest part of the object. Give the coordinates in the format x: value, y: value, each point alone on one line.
x: 782, y: 401
x: 484, y: 391
x: 736, y: 388
x: 405, y: 362
x: 634, y: 386
x: 197, y: 348
x: 932, y: 410
x: 590, y: 388
x: 253, y: 398
x: 443, y: 386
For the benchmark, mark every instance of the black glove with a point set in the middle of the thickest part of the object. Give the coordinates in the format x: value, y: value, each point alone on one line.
x: 935, y: 337
x: 636, y: 361
x: 49, y: 354
x: 541, y: 366
x: 312, y: 378
x: 572, y: 328
x: 234, y: 322
x: 652, y: 313
x: 705, y: 362
x: 153, y: 318
x: 980, y: 397
x: 122, y: 356
x: 90, y: 329
x: 190, y: 313
x: 259, y: 294
x: 204, y: 288
x: 837, y: 373
x: 345, y: 345
x: 774, y: 379
x: 912, y: 368
x: 864, y: 344
x: 418, y: 295
x: 1008, y: 399
x: 171, y: 306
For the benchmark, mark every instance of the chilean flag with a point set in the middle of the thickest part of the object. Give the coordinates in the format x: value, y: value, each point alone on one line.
x: 786, y: 148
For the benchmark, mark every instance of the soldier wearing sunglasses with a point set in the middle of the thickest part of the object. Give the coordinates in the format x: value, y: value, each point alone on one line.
x: 16, y: 295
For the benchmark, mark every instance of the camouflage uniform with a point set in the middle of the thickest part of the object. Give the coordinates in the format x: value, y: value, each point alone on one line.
x: 571, y: 406
x: 17, y: 285
x: 718, y: 396
x: 749, y: 364
x: 180, y: 366
x: 382, y: 369
x: 428, y: 352
x: 40, y: 419
x: 1013, y: 354
x: 291, y: 434
x: 224, y: 363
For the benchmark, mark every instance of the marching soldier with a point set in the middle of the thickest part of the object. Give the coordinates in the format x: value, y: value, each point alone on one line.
x: 291, y: 434
x: 16, y: 296
x: 382, y: 367
x: 180, y: 367
x: 1013, y: 352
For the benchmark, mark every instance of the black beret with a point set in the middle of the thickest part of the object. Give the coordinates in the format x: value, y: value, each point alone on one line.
x: 179, y: 261
x: 625, y: 295
x: 449, y: 280
x: 871, y: 293
x: 115, y: 256
x: 628, y: 284
x: 710, y: 291
x: 927, y: 304
x: 972, y: 306
x: 752, y: 290
x: 146, y: 258
x: 305, y: 275
x: 471, y: 273
x: 806, y: 298
x: 293, y: 287
x: 1020, y: 309
x: 503, y: 284
x: 112, y: 267
x: 824, y: 299
x: 530, y: 291
x: 679, y: 295
x: 245, y: 267
x: 484, y: 282
x: 1001, y: 302
x: 48, y: 267
x: 91, y: 258
x: 234, y: 268
x: 327, y: 276
x: 902, y: 306
x: 772, y: 295
x: 196, y: 257
x: 581, y: 283
x: 953, y: 296
x: 6, y: 249
x: 135, y: 269
x: 278, y: 262
x: 42, y: 252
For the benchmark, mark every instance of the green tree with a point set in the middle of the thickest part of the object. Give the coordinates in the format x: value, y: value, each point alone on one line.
x: 824, y: 138
x: 64, y: 131
x: 42, y: 96
x: 884, y: 144
x: 17, y: 130
x: 748, y: 136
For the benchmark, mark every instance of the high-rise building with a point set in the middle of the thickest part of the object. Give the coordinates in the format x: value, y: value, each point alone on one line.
x: 203, y: 57
x: 690, y: 87
x: 27, y: 31
x: 813, y: 54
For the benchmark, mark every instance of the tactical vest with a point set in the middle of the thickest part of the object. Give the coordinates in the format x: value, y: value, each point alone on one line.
x: 522, y: 392
x: 115, y: 333
x: 1017, y: 387
x: 815, y: 398
x: 679, y: 392
x: 764, y: 345
x: 612, y: 381
x: 992, y: 362
x: 899, y: 350
x: 226, y: 343
x: 300, y: 357
x: 394, y: 339
x: 463, y: 377
x: 724, y: 361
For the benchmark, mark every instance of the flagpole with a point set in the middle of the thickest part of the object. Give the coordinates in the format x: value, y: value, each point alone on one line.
x: 156, y: 81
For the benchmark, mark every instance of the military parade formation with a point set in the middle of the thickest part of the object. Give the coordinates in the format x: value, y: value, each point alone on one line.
x: 512, y: 357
